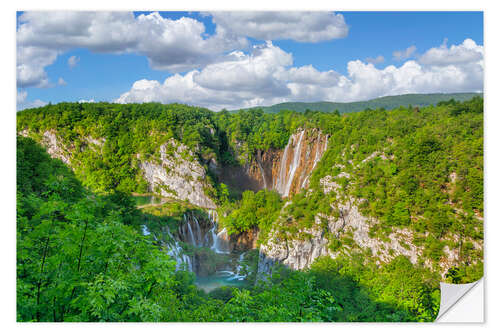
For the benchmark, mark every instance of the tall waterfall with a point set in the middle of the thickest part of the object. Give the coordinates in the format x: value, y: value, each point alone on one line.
x: 301, y: 155
x: 285, y: 179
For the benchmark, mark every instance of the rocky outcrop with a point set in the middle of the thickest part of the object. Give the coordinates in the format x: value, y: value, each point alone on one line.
x: 244, y: 241
x: 54, y: 147
x: 300, y: 252
x: 177, y: 173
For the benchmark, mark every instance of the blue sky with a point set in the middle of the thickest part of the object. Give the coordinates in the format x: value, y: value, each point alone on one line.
x: 342, y: 56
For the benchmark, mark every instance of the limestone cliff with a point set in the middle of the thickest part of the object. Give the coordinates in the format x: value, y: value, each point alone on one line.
x: 177, y: 173
x: 352, y: 230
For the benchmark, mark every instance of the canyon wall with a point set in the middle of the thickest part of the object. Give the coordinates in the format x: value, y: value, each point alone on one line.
x: 177, y: 173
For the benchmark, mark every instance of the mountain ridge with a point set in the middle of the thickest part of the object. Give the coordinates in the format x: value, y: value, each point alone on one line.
x: 386, y: 102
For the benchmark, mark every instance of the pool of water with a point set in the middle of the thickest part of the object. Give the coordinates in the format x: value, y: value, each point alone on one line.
x: 146, y: 200
x: 209, y: 283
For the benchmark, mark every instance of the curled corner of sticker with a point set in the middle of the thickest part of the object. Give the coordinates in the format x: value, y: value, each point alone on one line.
x: 462, y: 302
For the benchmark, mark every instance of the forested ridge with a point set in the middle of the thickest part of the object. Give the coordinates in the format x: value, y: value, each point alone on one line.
x: 387, y: 102
x: 82, y: 257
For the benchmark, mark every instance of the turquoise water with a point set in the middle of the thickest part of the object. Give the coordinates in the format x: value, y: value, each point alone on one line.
x: 209, y: 283
x: 146, y: 200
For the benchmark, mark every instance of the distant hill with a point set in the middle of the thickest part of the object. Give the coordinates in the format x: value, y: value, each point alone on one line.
x: 387, y: 102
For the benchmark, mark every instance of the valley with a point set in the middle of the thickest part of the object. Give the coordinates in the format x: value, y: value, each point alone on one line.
x: 352, y: 207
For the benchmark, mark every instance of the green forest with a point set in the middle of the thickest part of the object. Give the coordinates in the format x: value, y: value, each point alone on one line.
x: 81, y: 254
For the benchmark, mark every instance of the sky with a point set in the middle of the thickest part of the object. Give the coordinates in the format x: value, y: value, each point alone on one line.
x: 230, y: 60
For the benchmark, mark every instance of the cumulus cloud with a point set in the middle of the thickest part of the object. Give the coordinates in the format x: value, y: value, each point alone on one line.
x: 73, y: 61
x: 174, y: 45
x: 404, y: 54
x: 266, y: 76
x: 377, y: 60
x: 61, y: 82
x: 465, y: 53
x: 31, y: 62
x: 22, y: 102
x: 299, y: 26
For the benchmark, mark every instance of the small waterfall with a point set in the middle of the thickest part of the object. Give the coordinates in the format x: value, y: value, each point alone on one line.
x: 236, y: 275
x: 216, y: 241
x: 145, y: 230
x: 174, y: 250
x: 199, y: 241
x: 221, y: 244
x: 259, y: 163
x: 191, y: 238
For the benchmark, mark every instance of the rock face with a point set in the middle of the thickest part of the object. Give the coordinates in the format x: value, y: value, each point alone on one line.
x: 300, y: 253
x: 254, y: 176
x: 178, y: 174
x: 55, y: 148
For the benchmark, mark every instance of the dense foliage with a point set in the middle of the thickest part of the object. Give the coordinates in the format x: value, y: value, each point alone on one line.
x: 254, y: 210
x: 81, y: 258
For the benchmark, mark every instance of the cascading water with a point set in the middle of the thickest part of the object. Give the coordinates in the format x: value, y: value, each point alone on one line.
x: 295, y: 163
x: 280, y: 181
x: 199, y: 241
x: 221, y: 244
x: 174, y: 250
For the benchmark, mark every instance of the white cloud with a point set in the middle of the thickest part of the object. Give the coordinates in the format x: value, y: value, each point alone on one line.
x: 465, y: 53
x: 404, y: 54
x: 21, y: 96
x: 377, y: 60
x: 22, y: 103
x: 61, y: 82
x: 86, y: 101
x: 174, y: 45
x: 266, y: 76
x: 73, y: 61
x: 298, y: 26
x: 31, y: 62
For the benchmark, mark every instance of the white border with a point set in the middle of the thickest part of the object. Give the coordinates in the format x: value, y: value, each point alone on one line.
x: 7, y: 132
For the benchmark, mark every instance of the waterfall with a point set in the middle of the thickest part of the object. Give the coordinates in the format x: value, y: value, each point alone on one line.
x: 220, y: 244
x: 190, y: 233
x: 217, y: 242
x: 145, y: 230
x: 295, y: 164
x: 285, y: 179
x: 236, y: 275
x: 280, y: 181
x: 259, y: 163
x: 175, y: 251
x: 199, y: 241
